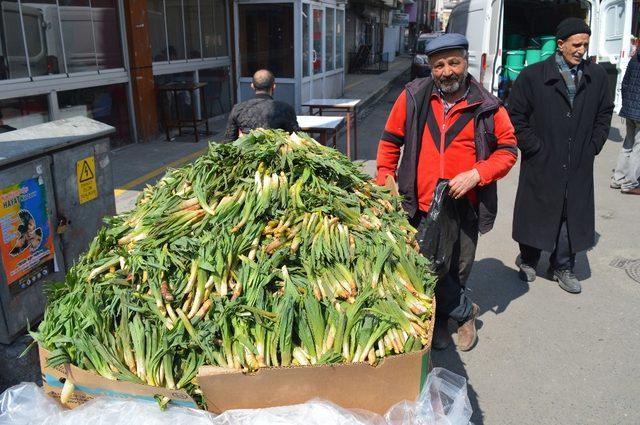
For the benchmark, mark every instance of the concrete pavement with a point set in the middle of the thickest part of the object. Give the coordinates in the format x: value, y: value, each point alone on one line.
x: 546, y: 356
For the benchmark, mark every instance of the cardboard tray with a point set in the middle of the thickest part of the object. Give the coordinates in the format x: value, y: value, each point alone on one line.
x: 89, y: 385
x: 352, y: 386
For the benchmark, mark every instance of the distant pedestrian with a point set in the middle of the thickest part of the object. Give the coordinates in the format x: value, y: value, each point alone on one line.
x: 449, y: 128
x: 561, y: 109
x: 626, y: 176
x: 261, y: 111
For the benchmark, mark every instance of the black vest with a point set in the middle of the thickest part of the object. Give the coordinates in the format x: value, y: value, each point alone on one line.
x: 418, y: 110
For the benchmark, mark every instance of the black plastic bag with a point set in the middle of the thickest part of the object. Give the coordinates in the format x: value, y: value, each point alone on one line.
x: 438, y: 231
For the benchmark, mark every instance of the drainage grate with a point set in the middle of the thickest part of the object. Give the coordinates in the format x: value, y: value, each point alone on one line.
x: 631, y: 266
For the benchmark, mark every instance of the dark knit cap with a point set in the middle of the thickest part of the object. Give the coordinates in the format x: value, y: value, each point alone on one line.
x: 571, y: 26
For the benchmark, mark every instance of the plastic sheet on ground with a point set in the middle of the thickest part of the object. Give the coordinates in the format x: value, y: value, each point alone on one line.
x: 443, y: 401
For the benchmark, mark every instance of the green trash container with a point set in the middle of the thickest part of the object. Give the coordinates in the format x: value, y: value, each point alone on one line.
x: 512, y: 71
x: 547, y: 46
x: 515, y: 58
x: 533, y: 55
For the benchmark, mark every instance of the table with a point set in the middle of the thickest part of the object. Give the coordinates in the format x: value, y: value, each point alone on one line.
x: 179, y: 123
x: 325, y: 126
x: 347, y: 106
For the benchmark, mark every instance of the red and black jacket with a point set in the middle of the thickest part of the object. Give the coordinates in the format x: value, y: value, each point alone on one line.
x: 475, y: 133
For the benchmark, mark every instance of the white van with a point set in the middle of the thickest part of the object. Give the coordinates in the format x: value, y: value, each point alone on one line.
x: 487, y: 23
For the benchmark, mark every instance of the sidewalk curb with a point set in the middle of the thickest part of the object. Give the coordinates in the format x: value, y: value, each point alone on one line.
x: 379, y: 94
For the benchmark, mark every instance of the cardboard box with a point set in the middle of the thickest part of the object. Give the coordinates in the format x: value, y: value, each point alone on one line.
x: 352, y: 386
x: 89, y: 385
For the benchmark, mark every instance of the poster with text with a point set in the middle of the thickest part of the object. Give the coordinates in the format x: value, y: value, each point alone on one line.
x: 26, y: 241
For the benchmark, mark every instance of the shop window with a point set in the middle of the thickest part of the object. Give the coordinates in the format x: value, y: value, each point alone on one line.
x: 61, y: 36
x: 192, y: 29
x: 266, y: 39
x: 317, y: 41
x: 217, y: 93
x: 204, y: 29
x: 23, y: 112
x: 14, y: 59
x: 339, y: 38
x: 329, y: 39
x: 106, y: 30
x: 77, y: 30
x: 175, y: 29
x: 220, y: 11
x: 213, y: 15
x: 210, y: 39
x: 306, y: 19
x: 157, y: 32
x: 167, y: 102
x: 44, y: 42
x: 91, y: 35
x: 107, y: 104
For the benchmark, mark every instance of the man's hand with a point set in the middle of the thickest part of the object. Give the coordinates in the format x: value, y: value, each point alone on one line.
x: 463, y: 182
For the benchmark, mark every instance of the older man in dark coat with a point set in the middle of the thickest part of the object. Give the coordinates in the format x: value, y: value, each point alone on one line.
x: 561, y: 109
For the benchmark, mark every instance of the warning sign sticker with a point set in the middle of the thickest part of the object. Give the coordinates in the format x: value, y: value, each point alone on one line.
x: 86, y: 179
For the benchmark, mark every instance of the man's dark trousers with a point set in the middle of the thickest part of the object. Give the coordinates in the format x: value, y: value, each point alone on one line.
x: 451, y: 297
x: 561, y: 258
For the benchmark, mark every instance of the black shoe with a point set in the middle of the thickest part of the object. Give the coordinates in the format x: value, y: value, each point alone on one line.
x: 441, y: 335
x: 567, y: 281
x: 527, y: 272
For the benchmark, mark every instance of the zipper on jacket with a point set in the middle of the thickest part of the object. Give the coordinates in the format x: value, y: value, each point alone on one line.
x: 418, y: 141
x: 566, y: 187
x: 442, y: 138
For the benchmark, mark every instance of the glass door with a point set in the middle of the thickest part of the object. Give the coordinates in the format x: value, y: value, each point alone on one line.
x: 307, y: 57
x: 322, y: 50
x: 317, y: 52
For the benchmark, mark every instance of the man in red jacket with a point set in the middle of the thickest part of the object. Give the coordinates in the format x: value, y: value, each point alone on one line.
x: 449, y: 127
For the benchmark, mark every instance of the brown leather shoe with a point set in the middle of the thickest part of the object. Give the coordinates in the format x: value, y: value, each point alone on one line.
x: 467, y: 334
x: 634, y: 191
x: 441, y: 335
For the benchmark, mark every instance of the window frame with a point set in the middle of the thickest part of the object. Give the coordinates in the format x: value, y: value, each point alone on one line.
x: 65, y: 81
x: 42, y: 82
x: 180, y: 65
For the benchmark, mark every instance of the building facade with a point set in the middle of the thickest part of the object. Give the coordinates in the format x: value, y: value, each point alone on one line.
x: 300, y: 41
x: 105, y: 58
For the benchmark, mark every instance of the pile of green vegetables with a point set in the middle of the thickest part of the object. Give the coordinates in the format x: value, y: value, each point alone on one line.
x: 269, y: 251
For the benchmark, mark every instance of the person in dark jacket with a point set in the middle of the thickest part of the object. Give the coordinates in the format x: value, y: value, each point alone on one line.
x: 561, y: 109
x: 261, y: 111
x: 451, y: 128
x: 626, y: 176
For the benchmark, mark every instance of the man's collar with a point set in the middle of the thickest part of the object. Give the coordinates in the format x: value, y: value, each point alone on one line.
x: 551, y: 69
x: 562, y: 62
x: 263, y: 96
